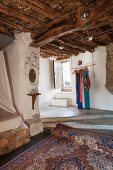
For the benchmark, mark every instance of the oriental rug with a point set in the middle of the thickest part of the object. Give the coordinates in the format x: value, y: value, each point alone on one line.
x: 67, y: 149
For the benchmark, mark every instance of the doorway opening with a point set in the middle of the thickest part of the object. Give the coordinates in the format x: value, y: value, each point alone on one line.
x: 66, y: 71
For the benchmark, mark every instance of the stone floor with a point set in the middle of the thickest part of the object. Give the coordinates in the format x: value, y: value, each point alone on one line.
x: 92, y: 119
x: 55, y: 112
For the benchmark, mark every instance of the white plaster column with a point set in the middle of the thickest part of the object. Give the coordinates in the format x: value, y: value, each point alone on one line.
x: 17, y: 53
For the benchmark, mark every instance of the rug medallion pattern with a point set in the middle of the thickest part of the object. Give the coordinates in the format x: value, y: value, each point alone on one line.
x: 67, y: 149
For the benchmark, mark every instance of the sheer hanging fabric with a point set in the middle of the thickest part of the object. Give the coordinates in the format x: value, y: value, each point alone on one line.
x: 6, y: 102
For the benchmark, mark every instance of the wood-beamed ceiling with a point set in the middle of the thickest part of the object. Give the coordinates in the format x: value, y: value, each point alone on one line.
x: 57, y: 26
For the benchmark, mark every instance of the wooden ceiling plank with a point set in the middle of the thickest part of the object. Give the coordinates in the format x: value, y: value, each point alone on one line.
x: 63, y: 51
x: 34, y: 6
x: 55, y: 51
x: 45, y: 9
x: 11, y: 12
x: 58, y: 51
x: 65, y: 19
x: 51, y: 52
x: 106, y: 33
x: 81, y: 49
x: 13, y: 25
x: 70, y: 47
x: 75, y: 44
x: 4, y: 30
x: 98, y: 43
x: 55, y: 33
x: 47, y: 54
x: 52, y: 35
x: 65, y: 48
x: 85, y: 41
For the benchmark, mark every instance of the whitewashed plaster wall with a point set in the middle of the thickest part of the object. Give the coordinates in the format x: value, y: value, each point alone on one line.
x: 100, y: 97
x: 46, y: 82
x: 17, y: 52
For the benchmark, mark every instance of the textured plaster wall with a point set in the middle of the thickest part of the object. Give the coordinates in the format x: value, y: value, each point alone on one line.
x: 17, y: 52
x: 100, y: 97
x: 46, y: 82
x: 109, y: 68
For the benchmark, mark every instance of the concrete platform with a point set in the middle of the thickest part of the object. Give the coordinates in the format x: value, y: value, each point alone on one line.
x: 92, y: 119
x: 68, y: 112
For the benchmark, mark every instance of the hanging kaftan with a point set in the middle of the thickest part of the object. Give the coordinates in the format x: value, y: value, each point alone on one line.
x: 86, y: 84
x: 78, y: 90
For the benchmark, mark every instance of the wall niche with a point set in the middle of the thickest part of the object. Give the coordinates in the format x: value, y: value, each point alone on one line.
x: 109, y: 68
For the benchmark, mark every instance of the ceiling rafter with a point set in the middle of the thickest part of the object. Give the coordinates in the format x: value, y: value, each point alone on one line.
x: 13, y: 25
x: 11, y: 12
x: 55, y: 33
x: 39, y: 7
x: 57, y: 26
x: 4, y: 30
x: 69, y: 18
x: 106, y: 33
x: 81, y: 46
x: 49, y: 54
x: 63, y: 51
x: 52, y: 13
x: 57, y: 45
x: 55, y: 53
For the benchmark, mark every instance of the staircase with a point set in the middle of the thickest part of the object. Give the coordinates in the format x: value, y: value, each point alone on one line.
x: 63, y: 99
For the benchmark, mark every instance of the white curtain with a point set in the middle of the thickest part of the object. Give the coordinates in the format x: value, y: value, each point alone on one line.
x: 6, y: 102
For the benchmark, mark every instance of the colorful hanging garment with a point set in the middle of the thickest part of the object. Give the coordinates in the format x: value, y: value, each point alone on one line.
x: 86, y: 84
x: 78, y: 91
x: 81, y: 87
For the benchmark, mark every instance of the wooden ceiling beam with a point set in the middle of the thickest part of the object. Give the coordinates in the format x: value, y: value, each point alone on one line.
x: 99, y: 43
x: 58, y: 51
x: 63, y: 51
x: 45, y: 9
x: 52, y: 35
x: 69, y: 49
x: 34, y: 5
x: 63, y: 58
x: 5, y: 31
x: 54, y: 52
x: 64, y: 20
x: 64, y: 43
x: 106, y: 31
x: 78, y: 44
x: 94, y: 20
x: 13, y: 25
x: 48, y: 54
x: 11, y: 12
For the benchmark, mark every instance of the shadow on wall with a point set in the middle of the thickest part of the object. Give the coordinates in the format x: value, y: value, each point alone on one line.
x: 6, y: 40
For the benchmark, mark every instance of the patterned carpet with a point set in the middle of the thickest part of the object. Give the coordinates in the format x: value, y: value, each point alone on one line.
x: 67, y: 149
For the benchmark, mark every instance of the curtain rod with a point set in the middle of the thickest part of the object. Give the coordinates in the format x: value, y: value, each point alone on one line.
x: 78, y: 68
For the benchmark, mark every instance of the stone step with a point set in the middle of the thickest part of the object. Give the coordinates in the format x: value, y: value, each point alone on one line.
x: 79, y: 125
x: 89, y: 126
x: 76, y: 118
x: 63, y: 95
x: 61, y: 102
